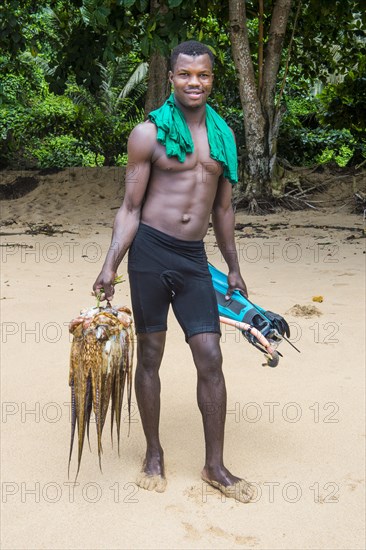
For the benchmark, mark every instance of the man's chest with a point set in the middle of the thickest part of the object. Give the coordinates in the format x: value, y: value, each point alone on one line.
x: 199, y: 159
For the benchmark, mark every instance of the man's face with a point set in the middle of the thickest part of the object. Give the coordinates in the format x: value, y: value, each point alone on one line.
x: 192, y: 79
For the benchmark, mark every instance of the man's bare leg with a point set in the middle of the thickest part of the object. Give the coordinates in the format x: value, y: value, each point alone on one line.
x: 211, y: 397
x: 150, y: 348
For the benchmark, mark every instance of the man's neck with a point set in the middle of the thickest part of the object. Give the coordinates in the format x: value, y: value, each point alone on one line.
x: 194, y: 117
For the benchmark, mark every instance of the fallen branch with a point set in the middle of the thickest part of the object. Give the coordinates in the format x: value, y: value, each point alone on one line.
x: 359, y: 165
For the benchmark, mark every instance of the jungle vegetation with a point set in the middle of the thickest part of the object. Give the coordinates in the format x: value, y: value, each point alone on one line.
x: 77, y: 75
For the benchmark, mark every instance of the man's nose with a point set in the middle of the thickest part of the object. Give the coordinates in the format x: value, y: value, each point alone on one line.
x: 193, y: 80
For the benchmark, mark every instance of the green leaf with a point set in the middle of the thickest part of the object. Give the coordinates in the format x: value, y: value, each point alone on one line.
x: 174, y: 3
x: 145, y: 46
x: 152, y: 26
x: 128, y: 3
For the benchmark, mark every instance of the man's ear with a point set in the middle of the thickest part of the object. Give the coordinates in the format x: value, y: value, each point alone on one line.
x: 170, y: 77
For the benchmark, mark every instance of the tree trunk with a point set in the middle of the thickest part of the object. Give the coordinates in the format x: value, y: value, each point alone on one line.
x: 259, y: 125
x: 272, y: 61
x: 256, y: 167
x: 157, y: 85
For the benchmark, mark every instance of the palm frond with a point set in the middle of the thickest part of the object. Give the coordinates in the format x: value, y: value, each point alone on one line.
x: 138, y: 76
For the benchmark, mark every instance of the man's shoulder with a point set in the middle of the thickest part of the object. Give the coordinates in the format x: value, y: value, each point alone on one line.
x: 142, y: 140
x: 144, y: 130
x: 232, y: 131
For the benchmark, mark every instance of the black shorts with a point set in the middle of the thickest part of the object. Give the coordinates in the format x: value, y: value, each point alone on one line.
x: 164, y: 270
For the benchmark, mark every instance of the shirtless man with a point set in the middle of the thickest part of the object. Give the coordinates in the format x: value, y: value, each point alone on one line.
x: 162, y: 221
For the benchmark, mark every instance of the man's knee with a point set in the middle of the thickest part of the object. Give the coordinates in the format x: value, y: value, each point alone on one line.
x: 207, y: 355
x: 150, y: 348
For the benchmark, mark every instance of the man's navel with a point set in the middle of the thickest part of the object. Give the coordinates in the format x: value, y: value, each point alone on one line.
x: 186, y: 218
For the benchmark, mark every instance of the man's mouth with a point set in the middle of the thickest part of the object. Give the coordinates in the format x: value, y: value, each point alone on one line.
x: 194, y: 94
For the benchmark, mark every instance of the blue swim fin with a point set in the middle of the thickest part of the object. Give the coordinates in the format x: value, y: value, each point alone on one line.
x: 239, y: 308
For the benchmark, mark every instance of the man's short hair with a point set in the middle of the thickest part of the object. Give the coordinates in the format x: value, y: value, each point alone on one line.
x: 192, y: 48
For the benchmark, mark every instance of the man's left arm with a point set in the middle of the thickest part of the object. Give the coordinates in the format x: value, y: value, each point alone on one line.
x: 223, y: 220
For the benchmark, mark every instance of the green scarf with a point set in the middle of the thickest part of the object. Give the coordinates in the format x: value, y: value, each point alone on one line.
x: 174, y: 134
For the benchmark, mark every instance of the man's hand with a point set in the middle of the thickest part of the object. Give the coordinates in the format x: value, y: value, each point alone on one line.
x: 105, y: 281
x: 235, y: 282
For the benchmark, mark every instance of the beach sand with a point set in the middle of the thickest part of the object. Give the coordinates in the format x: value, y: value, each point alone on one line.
x: 297, y: 432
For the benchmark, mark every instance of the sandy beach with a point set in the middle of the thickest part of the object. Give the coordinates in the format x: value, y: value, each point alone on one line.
x: 297, y: 432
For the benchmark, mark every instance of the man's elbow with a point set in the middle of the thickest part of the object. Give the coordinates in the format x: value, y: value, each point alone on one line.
x: 127, y: 213
x: 222, y: 211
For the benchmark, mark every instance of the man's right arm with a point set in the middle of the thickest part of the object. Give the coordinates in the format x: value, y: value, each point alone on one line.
x: 140, y: 148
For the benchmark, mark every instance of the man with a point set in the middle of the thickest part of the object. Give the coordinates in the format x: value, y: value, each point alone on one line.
x: 173, y: 185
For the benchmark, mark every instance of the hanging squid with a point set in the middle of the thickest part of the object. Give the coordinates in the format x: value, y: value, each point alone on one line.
x: 100, y: 368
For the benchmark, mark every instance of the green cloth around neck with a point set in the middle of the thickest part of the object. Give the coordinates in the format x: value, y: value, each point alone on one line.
x: 174, y: 134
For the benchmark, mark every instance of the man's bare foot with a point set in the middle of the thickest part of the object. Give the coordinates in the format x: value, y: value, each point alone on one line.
x: 231, y: 486
x: 152, y: 476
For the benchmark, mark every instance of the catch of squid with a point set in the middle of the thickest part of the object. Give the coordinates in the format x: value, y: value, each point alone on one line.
x: 100, y: 368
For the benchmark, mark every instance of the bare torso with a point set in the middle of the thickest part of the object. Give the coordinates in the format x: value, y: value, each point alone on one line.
x: 180, y: 196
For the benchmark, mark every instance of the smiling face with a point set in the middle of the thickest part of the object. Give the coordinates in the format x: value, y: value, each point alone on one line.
x: 192, y: 78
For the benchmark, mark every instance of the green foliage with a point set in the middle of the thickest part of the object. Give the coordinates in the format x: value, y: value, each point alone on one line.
x: 21, y: 82
x: 122, y: 160
x: 38, y: 127
x: 341, y: 156
x: 61, y: 152
x: 15, y: 20
x: 344, y: 104
x: 105, y: 134
x: 108, y: 116
x: 21, y: 126
x: 95, y: 15
x: 74, y: 48
x: 328, y: 128
x: 304, y: 146
x: 90, y: 35
x: 54, y: 114
x: 300, y: 109
x: 330, y: 37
